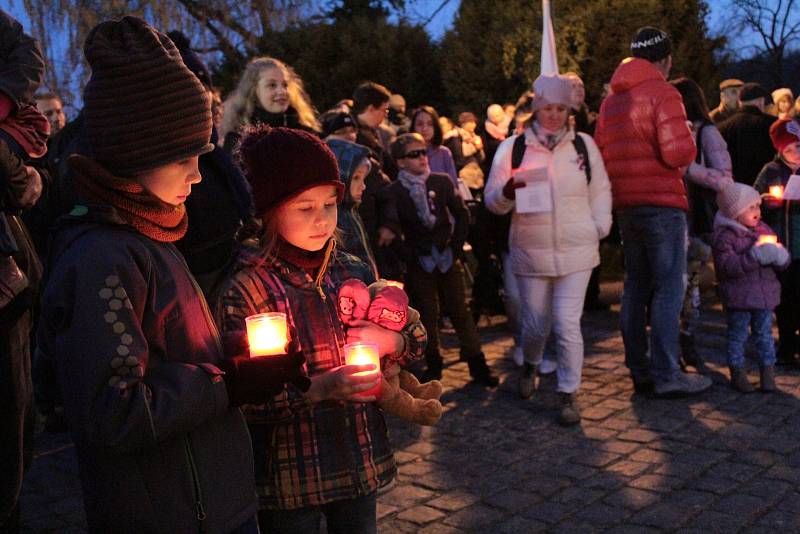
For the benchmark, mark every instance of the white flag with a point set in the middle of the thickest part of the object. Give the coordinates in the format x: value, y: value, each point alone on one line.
x: 549, y: 64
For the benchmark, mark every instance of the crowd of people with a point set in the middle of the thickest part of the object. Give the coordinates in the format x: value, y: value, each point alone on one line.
x: 138, y: 238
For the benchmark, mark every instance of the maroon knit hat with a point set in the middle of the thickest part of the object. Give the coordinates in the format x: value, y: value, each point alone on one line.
x: 142, y: 107
x: 281, y: 163
x: 783, y: 133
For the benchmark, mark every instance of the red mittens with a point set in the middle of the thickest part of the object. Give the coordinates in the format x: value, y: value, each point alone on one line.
x: 389, y: 308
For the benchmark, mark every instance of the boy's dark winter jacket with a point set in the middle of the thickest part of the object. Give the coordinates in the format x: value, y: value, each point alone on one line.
x: 446, y: 233
x: 352, y: 234
x: 135, y: 348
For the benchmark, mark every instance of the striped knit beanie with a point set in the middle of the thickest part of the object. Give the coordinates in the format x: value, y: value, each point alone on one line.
x: 142, y: 107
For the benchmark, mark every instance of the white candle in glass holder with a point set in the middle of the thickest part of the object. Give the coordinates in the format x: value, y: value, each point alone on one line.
x: 267, y: 334
x: 365, y: 353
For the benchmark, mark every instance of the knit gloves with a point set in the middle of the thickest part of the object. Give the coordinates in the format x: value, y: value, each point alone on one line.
x: 257, y: 380
x: 770, y: 254
x: 510, y: 189
x: 782, y: 256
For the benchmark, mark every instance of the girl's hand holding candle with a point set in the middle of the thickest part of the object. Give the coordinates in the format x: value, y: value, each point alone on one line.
x: 767, y: 238
x: 347, y: 383
x: 365, y: 353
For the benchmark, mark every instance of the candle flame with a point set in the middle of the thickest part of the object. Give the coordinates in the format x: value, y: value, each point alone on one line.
x: 267, y: 334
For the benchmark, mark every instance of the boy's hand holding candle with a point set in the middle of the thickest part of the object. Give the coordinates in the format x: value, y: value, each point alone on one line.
x: 257, y: 380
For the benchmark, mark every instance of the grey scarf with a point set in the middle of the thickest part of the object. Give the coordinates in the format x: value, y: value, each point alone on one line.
x: 547, y: 138
x: 419, y: 195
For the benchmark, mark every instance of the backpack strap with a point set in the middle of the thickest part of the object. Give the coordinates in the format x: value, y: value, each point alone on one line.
x: 580, y: 148
x: 699, y: 143
x: 517, y: 152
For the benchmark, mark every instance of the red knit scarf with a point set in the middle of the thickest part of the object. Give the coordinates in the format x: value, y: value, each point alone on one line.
x: 308, y: 260
x: 150, y: 215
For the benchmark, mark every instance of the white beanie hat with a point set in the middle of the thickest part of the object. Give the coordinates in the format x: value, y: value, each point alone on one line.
x: 777, y: 94
x: 735, y: 198
x: 554, y: 89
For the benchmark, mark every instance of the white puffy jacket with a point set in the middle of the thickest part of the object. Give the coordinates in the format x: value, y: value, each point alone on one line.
x: 566, y: 239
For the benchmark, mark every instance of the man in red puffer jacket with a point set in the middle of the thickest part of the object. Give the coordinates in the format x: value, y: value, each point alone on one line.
x: 646, y: 144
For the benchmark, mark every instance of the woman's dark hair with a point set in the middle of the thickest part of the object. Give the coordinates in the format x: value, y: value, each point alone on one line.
x: 693, y: 99
x: 437, y: 128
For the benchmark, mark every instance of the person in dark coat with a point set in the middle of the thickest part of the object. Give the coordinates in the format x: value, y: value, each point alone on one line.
x: 783, y: 216
x: 21, y: 72
x: 354, y: 165
x: 377, y: 210
x: 729, y: 91
x: 209, y: 243
x: 435, y: 222
x: 149, y: 394
x: 747, y: 134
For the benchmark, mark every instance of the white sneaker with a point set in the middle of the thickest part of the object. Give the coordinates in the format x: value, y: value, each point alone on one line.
x: 518, y: 356
x: 547, y: 367
x: 683, y: 385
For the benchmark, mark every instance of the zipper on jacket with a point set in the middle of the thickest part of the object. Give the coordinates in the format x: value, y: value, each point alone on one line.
x: 198, y: 491
x: 323, y: 268
x: 212, y: 325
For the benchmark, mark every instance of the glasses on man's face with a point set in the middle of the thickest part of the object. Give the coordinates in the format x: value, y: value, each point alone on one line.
x: 414, y: 154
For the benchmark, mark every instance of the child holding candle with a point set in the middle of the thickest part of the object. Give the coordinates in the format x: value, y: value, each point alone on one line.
x: 783, y: 216
x: 160, y: 444
x: 748, y: 284
x: 324, y: 451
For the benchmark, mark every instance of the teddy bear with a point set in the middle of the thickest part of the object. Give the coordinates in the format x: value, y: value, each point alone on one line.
x: 386, y: 305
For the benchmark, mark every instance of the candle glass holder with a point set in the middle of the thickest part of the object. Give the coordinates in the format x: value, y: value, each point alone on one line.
x: 267, y: 334
x: 364, y: 353
x: 763, y: 239
x: 776, y: 191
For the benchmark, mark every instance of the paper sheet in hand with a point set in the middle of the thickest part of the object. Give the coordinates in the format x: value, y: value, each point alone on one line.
x: 792, y: 190
x: 535, y: 196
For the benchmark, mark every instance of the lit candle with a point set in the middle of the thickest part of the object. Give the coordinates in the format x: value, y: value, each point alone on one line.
x: 267, y: 334
x: 767, y: 238
x: 776, y: 191
x: 364, y: 353
x: 395, y: 283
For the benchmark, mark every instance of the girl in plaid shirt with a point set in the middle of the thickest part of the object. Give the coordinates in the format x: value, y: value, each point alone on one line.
x: 322, y: 451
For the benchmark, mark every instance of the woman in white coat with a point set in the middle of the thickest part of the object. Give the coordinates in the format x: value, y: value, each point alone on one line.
x: 561, y: 212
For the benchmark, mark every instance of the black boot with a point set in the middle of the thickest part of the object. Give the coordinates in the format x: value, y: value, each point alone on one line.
x: 689, y: 355
x: 768, y: 379
x: 739, y: 380
x: 480, y: 372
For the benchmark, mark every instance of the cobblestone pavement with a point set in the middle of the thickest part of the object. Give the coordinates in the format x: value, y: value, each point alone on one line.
x: 721, y: 462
